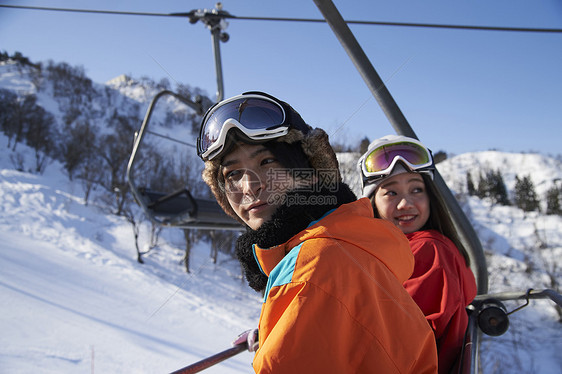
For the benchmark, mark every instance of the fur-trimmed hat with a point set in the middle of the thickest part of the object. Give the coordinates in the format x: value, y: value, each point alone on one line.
x: 315, y: 146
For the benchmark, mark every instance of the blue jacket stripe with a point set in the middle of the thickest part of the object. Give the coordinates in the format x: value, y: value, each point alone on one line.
x: 256, y: 258
x: 283, y: 272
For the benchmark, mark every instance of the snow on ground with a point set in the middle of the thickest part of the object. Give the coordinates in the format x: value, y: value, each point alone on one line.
x: 74, y: 299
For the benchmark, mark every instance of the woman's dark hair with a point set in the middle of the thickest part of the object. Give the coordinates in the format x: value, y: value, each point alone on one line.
x: 438, y: 219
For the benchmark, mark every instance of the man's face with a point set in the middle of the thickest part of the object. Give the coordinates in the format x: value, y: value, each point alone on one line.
x: 255, y: 182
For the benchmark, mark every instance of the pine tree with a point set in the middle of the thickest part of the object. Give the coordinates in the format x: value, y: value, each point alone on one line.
x: 499, y: 190
x: 483, y: 189
x: 364, y: 145
x: 493, y: 187
x: 525, y: 195
x: 553, y: 201
x: 440, y: 156
x: 470, y: 185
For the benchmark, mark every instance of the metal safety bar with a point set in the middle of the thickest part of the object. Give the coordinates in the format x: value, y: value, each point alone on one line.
x: 488, y: 314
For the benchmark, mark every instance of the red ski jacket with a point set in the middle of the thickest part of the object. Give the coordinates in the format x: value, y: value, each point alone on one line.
x: 335, y: 303
x: 442, y: 285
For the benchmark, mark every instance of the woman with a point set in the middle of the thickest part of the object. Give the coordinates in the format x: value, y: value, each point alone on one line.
x: 397, y: 174
x: 333, y: 302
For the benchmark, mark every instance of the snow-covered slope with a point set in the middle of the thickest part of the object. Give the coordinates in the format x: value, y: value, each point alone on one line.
x: 74, y: 299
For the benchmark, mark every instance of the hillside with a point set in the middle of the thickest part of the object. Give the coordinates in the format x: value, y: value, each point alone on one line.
x: 76, y: 300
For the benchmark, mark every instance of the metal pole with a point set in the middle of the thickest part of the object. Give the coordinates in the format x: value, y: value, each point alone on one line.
x: 215, y: 32
x: 212, y: 360
x: 394, y: 114
x: 365, y: 68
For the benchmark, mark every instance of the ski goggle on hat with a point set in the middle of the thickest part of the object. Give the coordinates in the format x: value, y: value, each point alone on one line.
x: 257, y: 117
x: 383, y: 154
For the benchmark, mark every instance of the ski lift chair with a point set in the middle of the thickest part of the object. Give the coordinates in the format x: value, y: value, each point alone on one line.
x: 178, y: 208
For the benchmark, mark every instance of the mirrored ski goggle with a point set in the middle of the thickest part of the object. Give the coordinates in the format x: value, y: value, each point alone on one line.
x: 380, y: 161
x: 258, y: 117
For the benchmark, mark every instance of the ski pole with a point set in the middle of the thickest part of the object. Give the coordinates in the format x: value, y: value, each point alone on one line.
x: 213, y: 360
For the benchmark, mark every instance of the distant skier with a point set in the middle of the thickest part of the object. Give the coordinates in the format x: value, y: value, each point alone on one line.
x: 332, y: 275
x: 397, y: 174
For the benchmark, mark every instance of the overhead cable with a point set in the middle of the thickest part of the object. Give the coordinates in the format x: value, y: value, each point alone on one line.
x: 287, y: 19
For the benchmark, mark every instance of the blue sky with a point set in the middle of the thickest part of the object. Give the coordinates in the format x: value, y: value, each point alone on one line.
x: 461, y: 91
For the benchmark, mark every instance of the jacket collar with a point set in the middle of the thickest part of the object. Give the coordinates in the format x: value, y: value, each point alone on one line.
x: 350, y: 223
x: 289, y: 220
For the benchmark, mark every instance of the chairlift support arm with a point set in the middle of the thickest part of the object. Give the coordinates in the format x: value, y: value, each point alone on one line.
x: 139, y: 136
x: 401, y: 126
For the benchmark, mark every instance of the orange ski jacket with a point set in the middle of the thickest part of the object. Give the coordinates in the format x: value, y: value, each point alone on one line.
x: 334, y: 301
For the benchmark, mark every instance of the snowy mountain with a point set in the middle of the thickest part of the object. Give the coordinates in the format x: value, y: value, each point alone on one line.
x: 74, y: 298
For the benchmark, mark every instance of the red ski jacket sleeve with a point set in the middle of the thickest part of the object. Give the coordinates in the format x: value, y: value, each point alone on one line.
x: 335, y: 303
x: 442, y: 285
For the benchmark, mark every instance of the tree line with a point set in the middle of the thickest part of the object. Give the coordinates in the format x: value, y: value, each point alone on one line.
x: 91, y: 134
x: 490, y: 185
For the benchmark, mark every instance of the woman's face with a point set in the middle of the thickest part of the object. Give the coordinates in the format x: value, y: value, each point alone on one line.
x: 255, y: 183
x: 403, y: 200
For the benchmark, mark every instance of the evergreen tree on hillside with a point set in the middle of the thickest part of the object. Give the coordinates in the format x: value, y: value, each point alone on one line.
x: 482, y: 190
x: 470, y: 184
x: 525, y: 195
x: 493, y: 187
x: 553, y: 201
x: 364, y: 145
x: 499, y: 191
x: 440, y: 156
